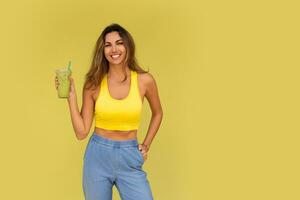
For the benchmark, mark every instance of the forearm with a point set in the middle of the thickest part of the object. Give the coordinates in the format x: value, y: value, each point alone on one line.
x: 152, y: 129
x: 76, y: 118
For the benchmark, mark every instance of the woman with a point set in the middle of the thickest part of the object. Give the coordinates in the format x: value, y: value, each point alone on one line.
x: 113, y: 93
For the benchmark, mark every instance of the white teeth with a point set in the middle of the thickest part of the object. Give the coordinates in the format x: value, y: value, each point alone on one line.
x: 115, y: 56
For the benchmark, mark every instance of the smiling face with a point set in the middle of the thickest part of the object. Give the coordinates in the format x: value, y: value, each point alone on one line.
x: 114, y: 48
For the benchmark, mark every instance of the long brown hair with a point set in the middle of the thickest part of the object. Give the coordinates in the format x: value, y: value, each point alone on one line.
x: 100, y: 65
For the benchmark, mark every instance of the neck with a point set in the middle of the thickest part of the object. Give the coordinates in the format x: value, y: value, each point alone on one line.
x: 117, y: 71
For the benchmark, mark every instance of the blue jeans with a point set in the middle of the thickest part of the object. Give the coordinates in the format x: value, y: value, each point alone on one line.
x: 110, y: 162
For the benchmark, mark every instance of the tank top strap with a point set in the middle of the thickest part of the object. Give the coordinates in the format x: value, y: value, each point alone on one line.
x: 104, y: 81
x: 134, y: 83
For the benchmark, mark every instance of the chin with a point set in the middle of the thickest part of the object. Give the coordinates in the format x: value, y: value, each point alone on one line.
x: 116, y: 62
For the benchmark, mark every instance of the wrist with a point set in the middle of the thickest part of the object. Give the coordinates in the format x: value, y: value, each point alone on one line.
x: 72, y: 98
x: 146, y: 146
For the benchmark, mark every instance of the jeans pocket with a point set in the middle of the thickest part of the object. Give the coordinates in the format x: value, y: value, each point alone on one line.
x: 87, y: 148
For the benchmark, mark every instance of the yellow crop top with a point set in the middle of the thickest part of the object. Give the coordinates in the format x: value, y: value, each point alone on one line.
x: 118, y: 114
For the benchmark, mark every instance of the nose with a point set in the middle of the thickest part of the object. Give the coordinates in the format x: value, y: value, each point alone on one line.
x: 114, y: 48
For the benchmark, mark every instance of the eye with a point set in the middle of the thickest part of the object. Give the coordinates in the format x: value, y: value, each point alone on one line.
x: 120, y: 43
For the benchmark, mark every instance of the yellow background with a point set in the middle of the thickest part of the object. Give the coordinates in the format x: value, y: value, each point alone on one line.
x: 228, y: 78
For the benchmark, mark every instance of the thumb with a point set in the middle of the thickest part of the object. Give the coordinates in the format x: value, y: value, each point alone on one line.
x: 140, y: 147
x: 71, y: 80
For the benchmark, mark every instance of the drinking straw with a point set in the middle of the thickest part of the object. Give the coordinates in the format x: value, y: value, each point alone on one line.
x: 69, y: 66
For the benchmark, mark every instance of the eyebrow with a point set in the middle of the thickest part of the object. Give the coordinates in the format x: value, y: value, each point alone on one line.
x: 116, y: 41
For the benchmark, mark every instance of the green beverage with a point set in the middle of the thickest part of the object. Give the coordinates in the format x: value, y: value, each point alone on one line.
x: 64, y: 82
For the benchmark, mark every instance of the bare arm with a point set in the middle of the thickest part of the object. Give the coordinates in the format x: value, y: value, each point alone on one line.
x: 156, y: 109
x: 82, y: 120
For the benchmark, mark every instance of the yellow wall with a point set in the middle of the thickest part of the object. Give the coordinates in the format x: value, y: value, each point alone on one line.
x: 228, y: 77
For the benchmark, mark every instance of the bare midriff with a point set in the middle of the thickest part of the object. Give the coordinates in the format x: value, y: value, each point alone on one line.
x: 116, y: 135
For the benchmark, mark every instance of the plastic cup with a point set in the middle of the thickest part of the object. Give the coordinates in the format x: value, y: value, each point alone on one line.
x: 63, y: 89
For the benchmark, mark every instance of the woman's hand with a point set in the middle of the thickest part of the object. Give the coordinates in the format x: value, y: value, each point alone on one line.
x: 144, y: 149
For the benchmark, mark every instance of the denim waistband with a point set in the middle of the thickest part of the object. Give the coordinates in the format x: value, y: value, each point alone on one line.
x: 114, y: 143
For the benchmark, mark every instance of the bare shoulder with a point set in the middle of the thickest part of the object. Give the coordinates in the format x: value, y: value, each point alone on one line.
x: 89, y: 93
x: 147, y: 79
x: 151, y: 92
